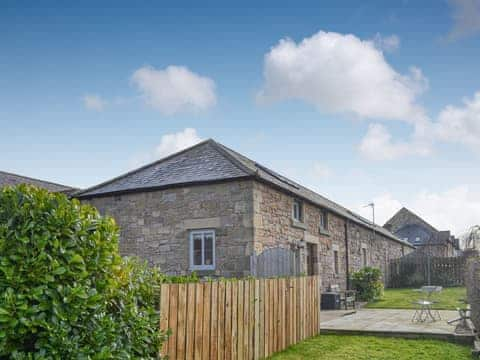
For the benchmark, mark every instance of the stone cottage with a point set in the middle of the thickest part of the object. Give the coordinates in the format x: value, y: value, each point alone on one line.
x: 211, y: 210
x: 410, y: 227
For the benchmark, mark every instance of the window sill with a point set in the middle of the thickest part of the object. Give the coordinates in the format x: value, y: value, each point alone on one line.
x: 298, y: 224
x: 324, y: 232
x: 202, y: 268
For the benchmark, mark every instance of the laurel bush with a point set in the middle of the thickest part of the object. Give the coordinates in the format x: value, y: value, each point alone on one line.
x: 65, y: 292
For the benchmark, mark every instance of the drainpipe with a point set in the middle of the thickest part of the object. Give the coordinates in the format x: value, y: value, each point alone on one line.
x: 347, y: 274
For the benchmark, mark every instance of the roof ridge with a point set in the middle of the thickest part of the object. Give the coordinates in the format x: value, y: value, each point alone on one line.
x: 36, y: 179
x: 146, y: 166
x: 419, y: 217
x: 224, y: 150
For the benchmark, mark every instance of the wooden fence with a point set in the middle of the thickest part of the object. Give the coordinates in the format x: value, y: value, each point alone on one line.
x: 247, y: 319
x: 417, y: 270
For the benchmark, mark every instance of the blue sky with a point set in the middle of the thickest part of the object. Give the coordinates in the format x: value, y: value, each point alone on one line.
x: 83, y: 94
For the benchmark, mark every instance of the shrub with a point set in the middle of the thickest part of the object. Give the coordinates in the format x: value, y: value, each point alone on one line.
x: 64, y: 290
x: 368, y: 284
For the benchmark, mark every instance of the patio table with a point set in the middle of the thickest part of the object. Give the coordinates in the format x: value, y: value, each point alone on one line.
x: 424, y: 308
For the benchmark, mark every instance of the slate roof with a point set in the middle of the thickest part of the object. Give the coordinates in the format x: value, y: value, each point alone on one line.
x: 210, y: 161
x: 439, y: 237
x: 410, y: 213
x: 9, y: 179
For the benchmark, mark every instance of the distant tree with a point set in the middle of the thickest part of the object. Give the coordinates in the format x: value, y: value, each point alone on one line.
x: 471, y: 239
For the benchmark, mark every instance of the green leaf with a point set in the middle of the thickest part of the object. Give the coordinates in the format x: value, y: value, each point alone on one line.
x: 59, y: 271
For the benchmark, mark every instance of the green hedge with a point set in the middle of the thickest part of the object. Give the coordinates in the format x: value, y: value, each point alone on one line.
x: 64, y: 290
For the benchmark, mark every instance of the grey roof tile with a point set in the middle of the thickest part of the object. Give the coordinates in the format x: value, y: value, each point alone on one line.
x: 9, y: 179
x: 200, y: 163
x: 211, y: 161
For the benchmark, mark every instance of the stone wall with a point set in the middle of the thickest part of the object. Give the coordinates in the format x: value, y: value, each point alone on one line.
x: 155, y: 225
x: 472, y: 283
x: 273, y: 227
x: 250, y: 218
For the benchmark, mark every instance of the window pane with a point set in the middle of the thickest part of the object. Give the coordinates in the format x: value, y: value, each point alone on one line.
x: 208, y: 249
x: 197, y: 250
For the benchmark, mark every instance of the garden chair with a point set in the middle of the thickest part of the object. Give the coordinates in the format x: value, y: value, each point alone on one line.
x: 347, y: 297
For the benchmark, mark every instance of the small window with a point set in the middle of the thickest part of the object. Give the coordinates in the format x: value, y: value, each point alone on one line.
x: 364, y: 257
x: 335, y: 261
x: 323, y: 220
x: 297, y: 210
x: 202, y: 250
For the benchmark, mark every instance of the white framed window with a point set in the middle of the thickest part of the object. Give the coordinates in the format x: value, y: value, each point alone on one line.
x: 297, y: 210
x: 323, y: 220
x: 202, y: 249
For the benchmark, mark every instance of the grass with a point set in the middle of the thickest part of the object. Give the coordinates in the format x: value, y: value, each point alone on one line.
x: 342, y: 347
x: 402, y: 299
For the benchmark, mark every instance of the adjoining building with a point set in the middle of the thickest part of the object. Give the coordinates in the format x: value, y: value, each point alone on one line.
x: 9, y: 179
x: 410, y: 227
x: 211, y: 210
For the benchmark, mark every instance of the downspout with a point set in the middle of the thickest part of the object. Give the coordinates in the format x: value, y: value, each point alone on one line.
x: 347, y: 274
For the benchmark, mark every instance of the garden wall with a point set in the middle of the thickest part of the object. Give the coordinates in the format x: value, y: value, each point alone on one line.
x: 472, y: 282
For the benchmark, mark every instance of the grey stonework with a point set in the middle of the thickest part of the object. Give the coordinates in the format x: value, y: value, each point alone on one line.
x: 252, y: 220
x: 155, y: 225
x: 273, y: 227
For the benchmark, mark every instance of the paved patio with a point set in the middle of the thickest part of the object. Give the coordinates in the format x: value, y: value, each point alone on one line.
x: 390, y: 322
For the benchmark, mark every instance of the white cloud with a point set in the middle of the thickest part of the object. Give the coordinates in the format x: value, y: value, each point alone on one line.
x: 378, y: 145
x: 455, y: 209
x: 341, y: 74
x: 321, y: 171
x: 94, y: 102
x: 169, y: 144
x: 175, y: 89
x: 461, y: 124
x: 466, y: 18
x: 387, y: 43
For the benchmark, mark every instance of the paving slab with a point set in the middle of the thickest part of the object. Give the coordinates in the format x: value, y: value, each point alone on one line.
x: 390, y: 322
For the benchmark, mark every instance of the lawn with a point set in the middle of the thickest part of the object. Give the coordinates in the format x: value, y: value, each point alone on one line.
x: 342, y: 347
x: 402, y: 299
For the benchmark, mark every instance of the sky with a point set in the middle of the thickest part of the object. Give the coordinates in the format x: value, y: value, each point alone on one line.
x: 360, y: 101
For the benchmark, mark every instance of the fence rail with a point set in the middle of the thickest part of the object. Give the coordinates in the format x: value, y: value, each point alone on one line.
x: 418, y: 270
x: 246, y: 319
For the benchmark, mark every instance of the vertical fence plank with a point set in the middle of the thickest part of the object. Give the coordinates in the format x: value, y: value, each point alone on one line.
x: 246, y: 322
x: 214, y: 321
x: 181, y: 320
x: 221, y: 322
x: 261, y: 328
x: 234, y: 320
x: 228, y: 320
x: 207, y: 289
x: 172, y: 322
x: 267, y: 308
x: 190, y: 328
x: 240, y: 327
x: 257, y: 321
x: 252, y: 321
x: 164, y: 312
x: 198, y: 321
